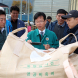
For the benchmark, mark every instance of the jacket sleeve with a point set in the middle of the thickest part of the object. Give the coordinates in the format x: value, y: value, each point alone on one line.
x: 73, y: 40
x: 70, y: 39
x: 10, y: 27
x: 28, y: 36
x: 23, y: 25
x: 49, y: 27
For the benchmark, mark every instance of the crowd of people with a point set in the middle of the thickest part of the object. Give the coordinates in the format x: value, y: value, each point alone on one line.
x: 9, y: 25
x: 48, y: 33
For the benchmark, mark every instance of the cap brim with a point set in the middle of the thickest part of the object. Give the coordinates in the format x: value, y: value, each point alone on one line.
x: 66, y: 16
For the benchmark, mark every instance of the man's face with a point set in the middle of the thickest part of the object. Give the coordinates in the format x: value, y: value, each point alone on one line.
x: 49, y: 20
x: 14, y: 15
x: 59, y: 19
x: 72, y: 22
x: 40, y: 23
x: 2, y: 21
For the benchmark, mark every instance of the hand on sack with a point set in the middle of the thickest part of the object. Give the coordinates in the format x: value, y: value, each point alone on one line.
x: 46, y: 51
x: 47, y: 46
x: 29, y: 41
x: 50, y: 50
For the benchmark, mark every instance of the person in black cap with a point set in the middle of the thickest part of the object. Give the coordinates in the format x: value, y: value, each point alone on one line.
x: 72, y: 21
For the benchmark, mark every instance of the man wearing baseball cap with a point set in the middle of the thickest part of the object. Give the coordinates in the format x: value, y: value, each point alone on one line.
x: 72, y: 21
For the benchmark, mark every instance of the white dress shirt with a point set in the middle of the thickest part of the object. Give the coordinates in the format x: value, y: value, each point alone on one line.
x: 42, y: 31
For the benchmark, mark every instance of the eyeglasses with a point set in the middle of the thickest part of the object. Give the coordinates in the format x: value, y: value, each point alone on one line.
x: 59, y: 16
x: 2, y: 19
x: 39, y: 22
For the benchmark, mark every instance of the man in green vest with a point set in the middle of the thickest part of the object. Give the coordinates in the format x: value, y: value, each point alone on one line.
x: 2, y: 29
x: 47, y: 38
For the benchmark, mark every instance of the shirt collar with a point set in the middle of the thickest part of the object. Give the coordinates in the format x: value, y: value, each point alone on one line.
x: 2, y: 30
x: 41, y: 31
x: 15, y: 20
x: 73, y: 30
x: 62, y: 24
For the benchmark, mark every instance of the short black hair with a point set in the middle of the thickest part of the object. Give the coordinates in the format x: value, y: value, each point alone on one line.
x: 15, y: 8
x: 62, y: 11
x: 49, y: 17
x: 38, y: 14
x: 2, y: 12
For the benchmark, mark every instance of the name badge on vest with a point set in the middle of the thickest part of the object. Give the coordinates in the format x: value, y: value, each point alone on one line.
x: 47, y: 39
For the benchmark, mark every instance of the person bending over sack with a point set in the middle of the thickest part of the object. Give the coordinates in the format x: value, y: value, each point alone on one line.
x: 47, y: 38
x: 72, y: 21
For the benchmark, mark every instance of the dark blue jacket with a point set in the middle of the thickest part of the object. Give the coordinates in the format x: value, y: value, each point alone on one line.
x: 47, y: 24
x: 71, y: 38
x: 52, y: 25
x: 19, y: 24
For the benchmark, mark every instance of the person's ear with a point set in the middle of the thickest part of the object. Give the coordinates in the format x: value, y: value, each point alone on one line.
x: 56, y: 16
x: 76, y: 19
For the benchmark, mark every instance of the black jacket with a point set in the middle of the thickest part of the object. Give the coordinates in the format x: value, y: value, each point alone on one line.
x: 71, y: 38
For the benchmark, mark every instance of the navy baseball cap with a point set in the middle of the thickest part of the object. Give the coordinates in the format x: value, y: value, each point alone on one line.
x: 72, y: 13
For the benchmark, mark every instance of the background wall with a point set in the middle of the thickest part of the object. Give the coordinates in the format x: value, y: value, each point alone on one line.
x: 74, y: 4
